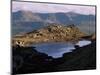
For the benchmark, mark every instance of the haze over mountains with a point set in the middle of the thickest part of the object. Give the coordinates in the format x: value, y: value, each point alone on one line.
x: 24, y: 21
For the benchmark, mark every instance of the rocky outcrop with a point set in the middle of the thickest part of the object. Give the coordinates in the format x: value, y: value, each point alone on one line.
x: 50, y: 33
x: 90, y: 37
x: 93, y: 37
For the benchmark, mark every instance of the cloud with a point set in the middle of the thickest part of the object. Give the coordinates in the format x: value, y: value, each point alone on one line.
x: 51, y: 8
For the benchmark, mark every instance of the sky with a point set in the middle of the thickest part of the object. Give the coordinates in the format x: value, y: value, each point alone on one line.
x: 52, y: 8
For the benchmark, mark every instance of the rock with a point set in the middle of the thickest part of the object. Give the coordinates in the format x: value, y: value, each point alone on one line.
x: 93, y: 37
x: 52, y: 32
x: 76, y: 46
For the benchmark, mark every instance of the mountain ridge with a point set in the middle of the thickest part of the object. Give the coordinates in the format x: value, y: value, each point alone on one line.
x: 51, y: 33
x: 44, y: 16
x: 25, y: 21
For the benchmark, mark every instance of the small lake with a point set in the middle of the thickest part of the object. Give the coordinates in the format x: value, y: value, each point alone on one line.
x: 57, y: 49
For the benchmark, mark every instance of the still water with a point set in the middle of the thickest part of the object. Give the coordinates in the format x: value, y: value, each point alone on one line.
x: 57, y: 49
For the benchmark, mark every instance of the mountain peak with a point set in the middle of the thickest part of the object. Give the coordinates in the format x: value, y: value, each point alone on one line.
x: 73, y: 14
x: 26, y: 16
x: 54, y: 33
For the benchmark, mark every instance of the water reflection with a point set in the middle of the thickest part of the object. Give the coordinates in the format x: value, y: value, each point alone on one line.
x: 83, y: 43
x: 57, y: 49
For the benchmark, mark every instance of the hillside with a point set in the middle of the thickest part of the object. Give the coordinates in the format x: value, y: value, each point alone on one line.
x: 63, y: 18
x: 25, y: 21
x: 51, y: 33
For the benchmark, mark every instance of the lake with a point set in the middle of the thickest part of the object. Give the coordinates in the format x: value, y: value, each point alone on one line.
x: 57, y: 49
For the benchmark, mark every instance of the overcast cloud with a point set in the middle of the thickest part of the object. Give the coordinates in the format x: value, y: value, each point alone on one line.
x: 51, y: 8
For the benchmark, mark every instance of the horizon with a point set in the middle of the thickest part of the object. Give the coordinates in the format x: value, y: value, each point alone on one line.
x: 53, y: 8
x: 52, y: 12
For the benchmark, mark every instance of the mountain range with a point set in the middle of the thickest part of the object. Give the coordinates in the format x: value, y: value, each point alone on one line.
x: 23, y: 21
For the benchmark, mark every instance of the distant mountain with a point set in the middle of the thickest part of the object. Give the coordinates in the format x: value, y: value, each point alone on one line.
x: 25, y: 16
x: 64, y: 18
x: 23, y: 21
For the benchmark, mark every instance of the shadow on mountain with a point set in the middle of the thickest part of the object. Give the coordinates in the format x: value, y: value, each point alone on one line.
x: 29, y: 60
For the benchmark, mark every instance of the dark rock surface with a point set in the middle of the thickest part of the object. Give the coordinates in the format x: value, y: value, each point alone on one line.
x: 28, y: 60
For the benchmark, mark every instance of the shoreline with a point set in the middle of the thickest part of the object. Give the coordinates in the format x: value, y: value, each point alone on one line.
x: 82, y: 57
